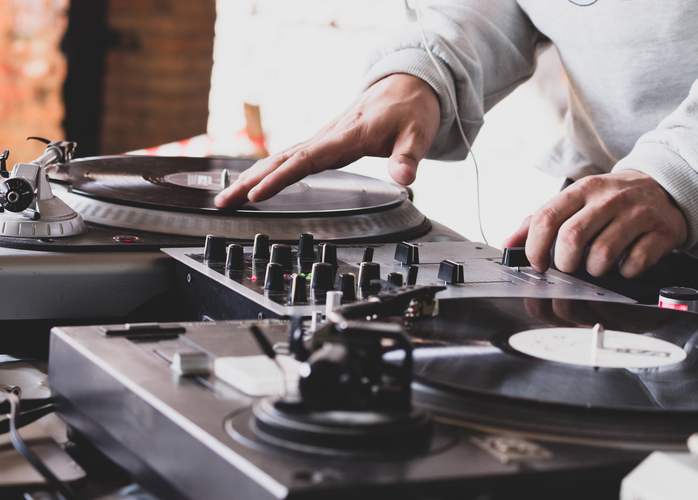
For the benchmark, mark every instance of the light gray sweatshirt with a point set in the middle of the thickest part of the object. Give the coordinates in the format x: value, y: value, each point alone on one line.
x: 632, y: 67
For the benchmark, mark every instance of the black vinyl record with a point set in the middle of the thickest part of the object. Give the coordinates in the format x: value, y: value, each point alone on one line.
x: 190, y: 184
x: 467, y: 349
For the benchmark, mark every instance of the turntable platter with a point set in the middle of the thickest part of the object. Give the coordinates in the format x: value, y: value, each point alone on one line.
x: 174, y: 195
x: 533, y: 350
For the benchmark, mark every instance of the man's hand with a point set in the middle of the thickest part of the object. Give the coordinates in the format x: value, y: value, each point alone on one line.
x: 608, y: 213
x: 397, y: 117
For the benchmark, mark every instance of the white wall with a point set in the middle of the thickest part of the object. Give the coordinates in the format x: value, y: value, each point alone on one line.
x: 303, y: 63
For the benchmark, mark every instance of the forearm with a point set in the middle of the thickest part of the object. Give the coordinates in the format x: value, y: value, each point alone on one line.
x: 669, y: 154
x: 485, y: 48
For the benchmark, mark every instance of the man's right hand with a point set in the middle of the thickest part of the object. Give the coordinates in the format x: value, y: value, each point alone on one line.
x: 397, y: 117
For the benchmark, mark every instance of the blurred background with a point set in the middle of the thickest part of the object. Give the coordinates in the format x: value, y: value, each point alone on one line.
x: 173, y: 77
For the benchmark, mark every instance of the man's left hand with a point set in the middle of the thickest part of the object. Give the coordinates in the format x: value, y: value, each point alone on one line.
x: 609, y: 213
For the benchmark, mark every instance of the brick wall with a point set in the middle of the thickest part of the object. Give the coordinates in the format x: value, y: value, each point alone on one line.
x: 157, y: 72
x: 32, y: 71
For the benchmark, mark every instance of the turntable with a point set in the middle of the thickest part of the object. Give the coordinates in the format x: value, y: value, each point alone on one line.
x: 511, y: 398
x: 81, y: 238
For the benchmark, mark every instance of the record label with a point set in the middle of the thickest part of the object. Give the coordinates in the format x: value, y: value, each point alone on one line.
x: 578, y: 346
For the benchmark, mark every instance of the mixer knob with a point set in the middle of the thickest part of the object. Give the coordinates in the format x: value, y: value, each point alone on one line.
x: 368, y: 255
x: 327, y: 252
x: 274, y: 278
x: 412, y: 275
x: 281, y: 254
x: 235, y: 258
x: 214, y: 249
x: 347, y: 285
x: 306, y: 247
x: 297, y: 293
x: 323, y: 276
x: 407, y: 253
x: 396, y: 279
x: 515, y: 257
x: 261, y: 247
x: 368, y: 272
x: 451, y: 272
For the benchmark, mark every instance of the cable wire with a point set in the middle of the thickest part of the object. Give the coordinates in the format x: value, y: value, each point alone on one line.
x: 452, y: 98
x: 63, y: 490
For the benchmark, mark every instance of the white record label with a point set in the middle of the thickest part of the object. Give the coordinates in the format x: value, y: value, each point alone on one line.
x: 582, y: 346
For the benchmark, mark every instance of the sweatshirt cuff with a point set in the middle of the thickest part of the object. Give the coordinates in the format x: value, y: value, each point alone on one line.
x: 416, y: 62
x: 675, y: 175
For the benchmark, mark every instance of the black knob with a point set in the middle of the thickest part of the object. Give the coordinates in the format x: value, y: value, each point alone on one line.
x: 396, y: 279
x: 451, y: 272
x: 515, y: 257
x: 281, y: 254
x: 306, y: 247
x: 327, y: 252
x: 214, y: 249
x: 368, y: 255
x: 347, y: 285
x: 412, y: 275
x: 274, y: 278
x: 235, y: 258
x: 297, y: 292
x: 368, y: 272
x: 407, y: 253
x: 323, y: 276
x: 261, y: 247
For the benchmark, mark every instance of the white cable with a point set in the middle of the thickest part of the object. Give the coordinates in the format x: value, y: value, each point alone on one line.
x: 452, y: 98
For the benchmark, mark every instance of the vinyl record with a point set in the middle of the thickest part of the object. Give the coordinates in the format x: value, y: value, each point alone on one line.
x: 190, y: 184
x: 544, y: 351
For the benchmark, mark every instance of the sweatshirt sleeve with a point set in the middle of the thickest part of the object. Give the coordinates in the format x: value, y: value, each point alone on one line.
x: 485, y: 48
x: 669, y: 154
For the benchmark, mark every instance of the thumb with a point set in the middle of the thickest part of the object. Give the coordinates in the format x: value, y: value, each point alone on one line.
x: 406, y: 155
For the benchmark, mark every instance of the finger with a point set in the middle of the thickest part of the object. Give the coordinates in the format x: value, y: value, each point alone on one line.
x: 518, y: 239
x: 330, y: 152
x: 546, y: 223
x: 409, y: 149
x: 580, y: 230
x: 648, y: 249
x: 237, y: 193
x: 610, y: 244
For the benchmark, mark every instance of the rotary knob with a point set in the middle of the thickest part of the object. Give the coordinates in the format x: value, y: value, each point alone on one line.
x: 412, y: 275
x: 297, y: 292
x: 347, y: 285
x: 16, y: 194
x: 369, y: 272
x: 274, y: 278
x: 327, y: 252
x: 306, y: 247
x: 235, y: 258
x: 368, y: 255
x: 214, y: 248
x: 281, y: 254
x: 261, y: 247
x: 396, y: 279
x: 323, y: 276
